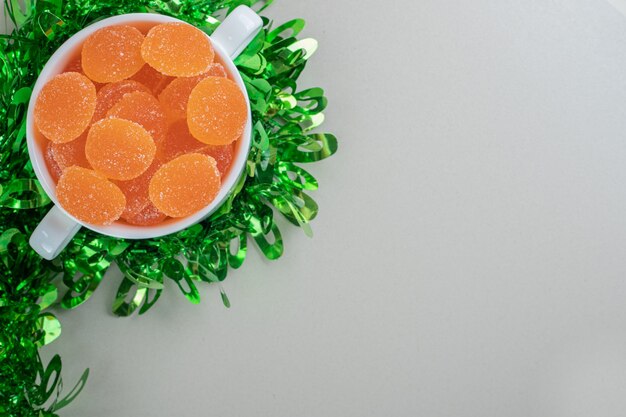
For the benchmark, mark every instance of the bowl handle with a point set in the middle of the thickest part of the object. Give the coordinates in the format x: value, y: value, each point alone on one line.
x: 53, y: 233
x: 237, y: 30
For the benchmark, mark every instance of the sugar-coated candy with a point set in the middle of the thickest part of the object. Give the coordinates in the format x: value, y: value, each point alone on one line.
x: 216, y: 70
x: 53, y: 168
x: 179, y: 141
x: 216, y: 111
x: 136, y: 191
x: 151, y: 78
x: 140, y: 128
x: 174, y: 97
x: 110, y: 94
x: 112, y: 53
x: 119, y: 149
x: 177, y: 49
x: 89, y: 196
x: 223, y: 155
x: 142, y: 108
x: 185, y: 185
x: 149, y: 216
x: 74, y: 66
x: 64, y: 107
x: 70, y: 153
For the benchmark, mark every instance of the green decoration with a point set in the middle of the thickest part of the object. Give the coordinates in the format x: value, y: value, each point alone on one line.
x: 283, y: 120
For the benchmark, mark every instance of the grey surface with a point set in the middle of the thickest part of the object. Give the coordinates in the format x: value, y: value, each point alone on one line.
x: 469, y: 254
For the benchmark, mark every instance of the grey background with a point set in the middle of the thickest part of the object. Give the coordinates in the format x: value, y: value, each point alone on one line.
x: 469, y: 254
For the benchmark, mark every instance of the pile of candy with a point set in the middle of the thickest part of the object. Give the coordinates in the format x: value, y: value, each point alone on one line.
x: 138, y: 128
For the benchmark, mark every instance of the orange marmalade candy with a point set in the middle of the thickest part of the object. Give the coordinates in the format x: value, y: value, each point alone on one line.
x: 223, y: 156
x: 70, y: 153
x: 74, y: 66
x: 185, y: 185
x: 179, y: 141
x: 216, y: 111
x: 110, y: 94
x: 149, y: 216
x: 112, y: 53
x: 174, y: 97
x: 144, y: 109
x: 216, y: 70
x: 53, y: 168
x: 136, y: 191
x: 177, y: 49
x: 119, y: 149
x: 89, y: 196
x: 151, y: 78
x: 64, y: 107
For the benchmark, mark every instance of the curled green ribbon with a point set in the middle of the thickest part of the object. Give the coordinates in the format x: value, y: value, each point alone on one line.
x: 23, y: 194
x: 273, y: 184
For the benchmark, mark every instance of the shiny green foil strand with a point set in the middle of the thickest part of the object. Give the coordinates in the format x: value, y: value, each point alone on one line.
x: 283, y: 119
x: 27, y: 385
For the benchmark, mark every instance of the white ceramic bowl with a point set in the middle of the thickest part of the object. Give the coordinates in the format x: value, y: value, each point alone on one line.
x: 58, y: 227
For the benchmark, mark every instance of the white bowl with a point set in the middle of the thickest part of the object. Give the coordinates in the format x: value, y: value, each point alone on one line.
x: 230, y: 38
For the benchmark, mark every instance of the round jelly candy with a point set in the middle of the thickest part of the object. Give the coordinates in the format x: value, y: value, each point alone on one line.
x: 179, y: 141
x: 111, y: 93
x: 64, y: 107
x: 136, y: 191
x: 112, y: 53
x: 70, y: 153
x: 216, y: 70
x: 74, y: 66
x: 119, y: 149
x: 142, y: 108
x: 89, y: 196
x: 152, y: 79
x: 223, y: 156
x: 185, y: 185
x: 149, y: 216
x: 53, y: 168
x: 216, y: 111
x: 177, y: 49
x: 174, y: 97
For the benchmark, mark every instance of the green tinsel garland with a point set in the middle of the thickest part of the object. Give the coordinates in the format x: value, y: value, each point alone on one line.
x: 283, y: 119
